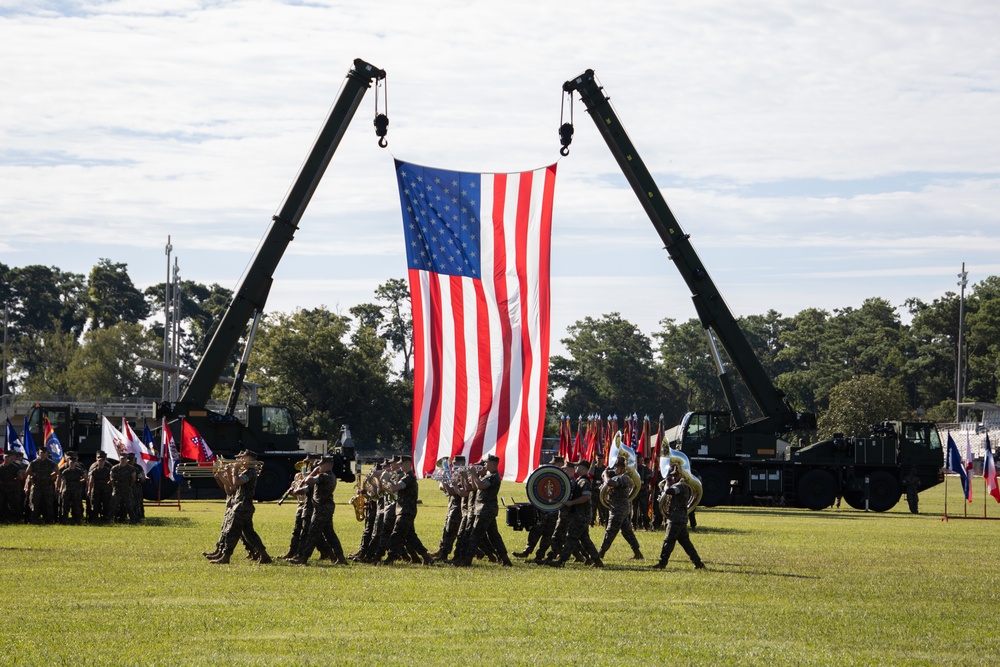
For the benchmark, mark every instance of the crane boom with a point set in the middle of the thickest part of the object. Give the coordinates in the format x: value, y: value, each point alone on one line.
x: 712, y: 309
x: 252, y: 292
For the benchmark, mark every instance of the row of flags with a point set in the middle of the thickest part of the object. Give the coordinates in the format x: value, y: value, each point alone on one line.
x: 594, y: 435
x: 954, y: 463
x: 116, y: 443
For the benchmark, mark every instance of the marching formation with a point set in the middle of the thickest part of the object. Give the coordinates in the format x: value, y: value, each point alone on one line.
x: 387, y: 501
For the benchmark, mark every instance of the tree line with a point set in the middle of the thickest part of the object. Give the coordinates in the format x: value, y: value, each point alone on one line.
x: 76, y: 335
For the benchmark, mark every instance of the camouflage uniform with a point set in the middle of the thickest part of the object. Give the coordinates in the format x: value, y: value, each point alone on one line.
x: 300, y: 510
x: 640, y: 506
x: 99, y: 493
x: 73, y: 482
x: 485, y: 534
x: 11, y: 491
x: 241, y: 518
x: 321, y: 533
x: 677, y: 525
x: 452, y: 522
x: 404, y: 537
x: 122, y: 499
x: 42, y: 493
x: 140, y: 479
x: 912, y: 484
x: 578, y: 525
x: 619, y: 515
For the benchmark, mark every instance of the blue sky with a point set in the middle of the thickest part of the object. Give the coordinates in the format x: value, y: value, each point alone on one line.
x: 817, y: 153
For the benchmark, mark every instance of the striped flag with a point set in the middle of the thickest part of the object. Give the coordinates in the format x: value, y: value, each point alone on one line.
x: 51, y: 441
x: 990, y: 472
x: 477, y: 252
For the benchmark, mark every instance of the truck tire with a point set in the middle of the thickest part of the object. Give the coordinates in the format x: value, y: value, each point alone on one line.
x: 817, y: 489
x: 855, y: 499
x: 275, y: 478
x: 715, y: 486
x: 884, y: 491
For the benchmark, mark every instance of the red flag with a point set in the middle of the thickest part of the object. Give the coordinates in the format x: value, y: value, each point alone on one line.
x: 193, y: 446
x: 591, y: 440
x: 478, y: 249
x: 564, y: 437
x: 641, y: 446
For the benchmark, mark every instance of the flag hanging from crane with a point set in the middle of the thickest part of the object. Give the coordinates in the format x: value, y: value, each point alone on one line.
x: 477, y: 254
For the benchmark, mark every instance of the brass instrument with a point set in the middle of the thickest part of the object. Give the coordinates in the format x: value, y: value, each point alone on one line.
x: 190, y: 469
x: 619, y: 449
x: 679, y: 460
x: 360, y: 500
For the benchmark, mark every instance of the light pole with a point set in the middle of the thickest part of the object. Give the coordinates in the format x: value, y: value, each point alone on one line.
x: 962, y: 282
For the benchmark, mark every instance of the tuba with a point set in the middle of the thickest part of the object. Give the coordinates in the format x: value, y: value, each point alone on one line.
x: 617, y: 450
x: 677, y: 458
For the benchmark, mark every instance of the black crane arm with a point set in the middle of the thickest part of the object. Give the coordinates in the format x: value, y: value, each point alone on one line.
x: 252, y: 292
x: 712, y: 309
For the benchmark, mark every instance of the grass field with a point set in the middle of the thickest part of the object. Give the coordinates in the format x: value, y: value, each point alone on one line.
x: 785, y: 587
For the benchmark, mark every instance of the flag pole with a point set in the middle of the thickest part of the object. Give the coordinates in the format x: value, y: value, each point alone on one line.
x: 945, y: 517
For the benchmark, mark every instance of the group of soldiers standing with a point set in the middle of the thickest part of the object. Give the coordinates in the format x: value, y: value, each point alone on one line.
x: 45, y: 492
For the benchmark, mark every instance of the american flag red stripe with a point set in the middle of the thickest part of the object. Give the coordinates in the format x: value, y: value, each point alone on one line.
x: 480, y: 313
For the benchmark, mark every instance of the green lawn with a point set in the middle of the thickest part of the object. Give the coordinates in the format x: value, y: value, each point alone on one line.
x: 785, y: 587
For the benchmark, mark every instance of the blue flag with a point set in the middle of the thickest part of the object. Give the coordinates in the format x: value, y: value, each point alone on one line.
x: 954, y: 463
x: 147, y: 437
x: 13, y: 442
x: 30, y: 452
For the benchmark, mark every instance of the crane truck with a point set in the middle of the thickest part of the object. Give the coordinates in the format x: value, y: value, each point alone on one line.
x: 742, y: 459
x: 266, y: 429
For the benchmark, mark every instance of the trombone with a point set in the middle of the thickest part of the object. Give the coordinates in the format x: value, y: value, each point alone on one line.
x: 191, y: 469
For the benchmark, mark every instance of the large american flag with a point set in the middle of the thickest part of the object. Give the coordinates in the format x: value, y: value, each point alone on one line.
x: 477, y: 252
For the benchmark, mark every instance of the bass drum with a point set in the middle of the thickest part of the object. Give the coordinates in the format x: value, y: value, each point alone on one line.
x: 548, y: 488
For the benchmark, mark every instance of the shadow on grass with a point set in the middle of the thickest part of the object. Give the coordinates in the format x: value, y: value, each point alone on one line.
x: 168, y: 521
x: 821, y: 514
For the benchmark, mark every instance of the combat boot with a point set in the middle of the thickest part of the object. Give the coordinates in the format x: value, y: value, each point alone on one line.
x: 597, y: 563
x: 264, y: 559
x: 637, y: 555
x: 521, y: 554
x: 221, y: 560
x: 659, y: 565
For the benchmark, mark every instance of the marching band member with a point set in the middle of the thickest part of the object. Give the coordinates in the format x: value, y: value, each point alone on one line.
x: 484, y: 524
x: 578, y: 527
x: 677, y: 521
x: 403, y: 538
x: 239, y: 482
x: 321, y: 534
x: 453, y: 515
x: 541, y: 532
x: 619, y: 508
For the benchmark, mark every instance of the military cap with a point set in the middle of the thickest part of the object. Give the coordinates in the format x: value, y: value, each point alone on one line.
x: 130, y: 455
x: 102, y: 454
x: 397, y: 459
x: 582, y: 462
x: 324, y: 460
x: 312, y: 456
x: 405, y: 458
x: 559, y: 460
x: 458, y: 459
x: 72, y: 455
x: 248, y: 452
x: 492, y: 459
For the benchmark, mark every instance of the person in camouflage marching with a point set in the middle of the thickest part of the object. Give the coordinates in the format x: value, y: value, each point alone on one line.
x: 404, y: 537
x: 619, y: 508
x: 578, y: 527
x: 239, y: 481
x: 122, y: 505
x: 99, y: 488
x: 41, y: 487
x: 72, y: 482
x: 300, y: 493
x: 322, y: 483
x: 12, y: 476
x: 541, y: 533
x: 452, y: 516
x: 677, y: 521
x: 485, y: 534
x: 140, y: 479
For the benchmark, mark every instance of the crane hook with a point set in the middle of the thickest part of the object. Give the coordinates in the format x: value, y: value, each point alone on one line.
x: 381, y: 119
x: 566, y: 129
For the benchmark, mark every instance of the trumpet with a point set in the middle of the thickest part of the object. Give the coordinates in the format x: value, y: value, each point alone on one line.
x: 191, y: 469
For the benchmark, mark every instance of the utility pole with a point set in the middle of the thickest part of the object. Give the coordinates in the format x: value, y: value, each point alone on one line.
x: 165, y: 394
x: 959, y: 384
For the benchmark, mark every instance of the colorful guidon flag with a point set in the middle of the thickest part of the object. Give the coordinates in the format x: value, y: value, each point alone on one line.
x: 477, y: 254
x: 953, y: 462
x: 193, y: 446
x: 13, y: 442
x: 51, y: 441
x: 169, y: 454
x: 990, y: 472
